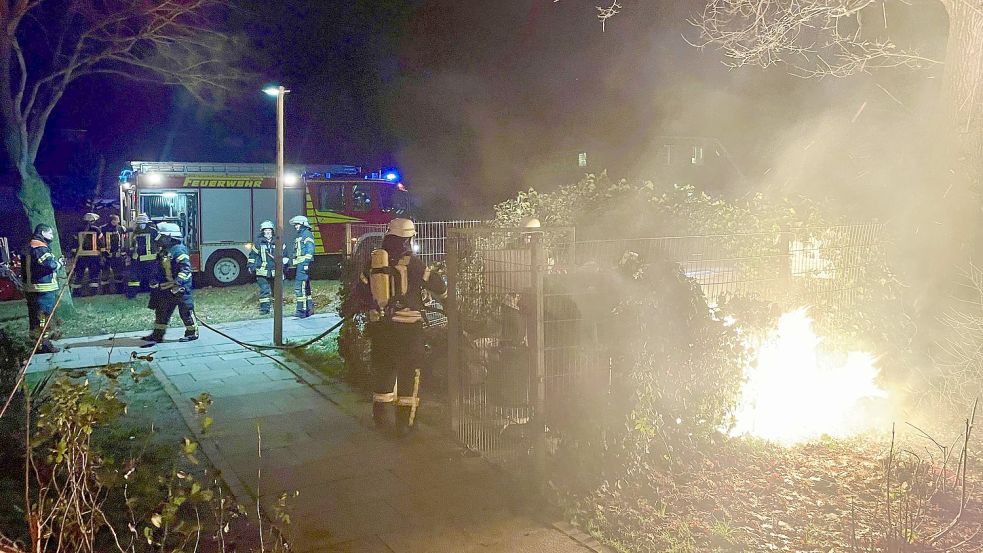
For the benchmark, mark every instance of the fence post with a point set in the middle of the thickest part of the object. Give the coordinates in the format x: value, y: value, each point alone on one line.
x: 453, y: 336
x: 348, y: 239
x: 536, y: 337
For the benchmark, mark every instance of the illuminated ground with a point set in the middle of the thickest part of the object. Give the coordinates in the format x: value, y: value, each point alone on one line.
x: 825, y: 496
x: 359, y: 490
x: 97, y: 315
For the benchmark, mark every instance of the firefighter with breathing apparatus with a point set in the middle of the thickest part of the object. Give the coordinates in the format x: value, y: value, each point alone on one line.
x: 303, y: 256
x: 88, y: 255
x: 114, y: 255
x: 262, y: 263
x: 171, y: 286
x: 396, y: 281
x: 143, y: 255
x: 40, y: 273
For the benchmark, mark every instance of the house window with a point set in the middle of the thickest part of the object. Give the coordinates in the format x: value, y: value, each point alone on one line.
x: 697, y: 158
x: 667, y: 154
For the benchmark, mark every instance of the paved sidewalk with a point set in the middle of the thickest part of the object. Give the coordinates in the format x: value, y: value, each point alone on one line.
x: 359, y: 490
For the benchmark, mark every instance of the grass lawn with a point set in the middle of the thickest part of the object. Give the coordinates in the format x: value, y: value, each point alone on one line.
x: 108, y: 314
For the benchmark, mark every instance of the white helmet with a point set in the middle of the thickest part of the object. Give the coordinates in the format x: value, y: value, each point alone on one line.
x: 300, y: 220
x: 142, y: 219
x: 266, y: 225
x: 170, y: 229
x: 404, y: 228
x: 530, y: 223
x: 90, y: 217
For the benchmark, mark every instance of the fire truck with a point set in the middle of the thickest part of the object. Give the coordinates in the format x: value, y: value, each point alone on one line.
x: 219, y: 207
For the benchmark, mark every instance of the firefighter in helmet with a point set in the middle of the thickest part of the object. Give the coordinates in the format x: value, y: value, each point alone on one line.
x: 88, y: 255
x: 397, y: 279
x: 114, y: 254
x: 303, y: 256
x: 171, y: 285
x: 143, y: 255
x: 40, y: 272
x: 262, y: 263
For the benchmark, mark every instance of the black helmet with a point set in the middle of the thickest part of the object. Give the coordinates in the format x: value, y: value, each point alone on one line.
x: 42, y: 228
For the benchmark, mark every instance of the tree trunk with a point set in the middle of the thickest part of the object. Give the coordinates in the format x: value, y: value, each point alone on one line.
x: 35, y: 198
x: 962, y: 87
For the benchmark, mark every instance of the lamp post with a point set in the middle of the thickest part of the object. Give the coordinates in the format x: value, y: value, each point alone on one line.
x: 280, y: 93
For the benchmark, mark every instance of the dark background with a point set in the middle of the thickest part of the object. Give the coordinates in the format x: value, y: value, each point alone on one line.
x: 476, y: 100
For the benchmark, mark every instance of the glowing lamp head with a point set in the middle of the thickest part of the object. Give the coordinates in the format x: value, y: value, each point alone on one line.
x: 154, y: 178
x: 272, y: 91
x: 290, y: 179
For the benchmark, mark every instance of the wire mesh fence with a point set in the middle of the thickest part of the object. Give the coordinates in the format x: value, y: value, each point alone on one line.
x: 430, y: 237
x: 526, y: 328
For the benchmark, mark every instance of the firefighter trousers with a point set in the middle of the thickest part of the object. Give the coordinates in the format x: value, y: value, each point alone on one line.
x: 397, y: 355
x: 112, y: 274
x: 40, y: 305
x: 163, y: 302
x: 87, y: 268
x: 140, y: 274
x: 265, y: 284
x: 302, y: 293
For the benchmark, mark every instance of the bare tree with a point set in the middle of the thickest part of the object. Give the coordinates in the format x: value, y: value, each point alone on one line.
x: 958, y: 364
x: 49, y: 45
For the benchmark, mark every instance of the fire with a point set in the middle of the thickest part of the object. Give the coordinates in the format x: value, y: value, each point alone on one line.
x: 792, y: 395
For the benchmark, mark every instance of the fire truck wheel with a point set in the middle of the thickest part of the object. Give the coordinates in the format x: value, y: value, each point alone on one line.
x: 226, y: 268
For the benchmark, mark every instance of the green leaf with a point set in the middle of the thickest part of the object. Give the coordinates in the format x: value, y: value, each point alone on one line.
x: 155, y: 520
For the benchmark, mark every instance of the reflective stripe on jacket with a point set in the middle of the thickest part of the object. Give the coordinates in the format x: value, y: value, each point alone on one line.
x: 39, y: 267
x: 143, y: 244
x: 261, y: 257
x: 303, y: 249
x: 87, y: 241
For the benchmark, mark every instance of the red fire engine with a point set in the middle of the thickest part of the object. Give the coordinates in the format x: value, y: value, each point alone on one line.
x: 219, y: 207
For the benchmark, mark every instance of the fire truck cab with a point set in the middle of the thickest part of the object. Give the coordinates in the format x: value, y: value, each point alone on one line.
x: 219, y: 207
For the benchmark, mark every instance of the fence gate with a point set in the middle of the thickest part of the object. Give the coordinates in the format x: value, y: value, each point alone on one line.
x: 523, y: 321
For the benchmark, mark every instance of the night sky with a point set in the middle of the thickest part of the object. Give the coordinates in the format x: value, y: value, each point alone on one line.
x: 472, y: 100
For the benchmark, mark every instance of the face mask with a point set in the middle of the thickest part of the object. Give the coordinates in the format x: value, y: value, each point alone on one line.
x: 48, y: 235
x: 267, y: 234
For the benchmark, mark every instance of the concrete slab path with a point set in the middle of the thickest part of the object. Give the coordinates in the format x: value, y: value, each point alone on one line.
x: 359, y: 490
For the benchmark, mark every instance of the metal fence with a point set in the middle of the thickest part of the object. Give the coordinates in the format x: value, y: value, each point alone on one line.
x: 430, y: 237
x: 526, y: 329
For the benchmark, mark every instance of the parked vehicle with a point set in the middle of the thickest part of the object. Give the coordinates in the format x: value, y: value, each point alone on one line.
x: 219, y: 206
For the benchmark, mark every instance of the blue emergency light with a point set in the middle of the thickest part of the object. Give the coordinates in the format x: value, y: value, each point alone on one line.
x: 392, y: 176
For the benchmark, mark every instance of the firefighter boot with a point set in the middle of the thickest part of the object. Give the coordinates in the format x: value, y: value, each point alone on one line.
x: 154, y: 337
x: 47, y: 347
x: 189, y: 336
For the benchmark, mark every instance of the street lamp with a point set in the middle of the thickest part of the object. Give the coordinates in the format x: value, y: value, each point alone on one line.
x: 280, y: 93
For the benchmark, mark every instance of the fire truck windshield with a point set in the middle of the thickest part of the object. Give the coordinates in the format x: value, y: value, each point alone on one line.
x: 393, y: 200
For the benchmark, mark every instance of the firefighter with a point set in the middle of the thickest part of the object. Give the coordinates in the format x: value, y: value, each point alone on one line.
x: 396, y: 280
x: 262, y: 263
x: 40, y: 273
x: 170, y: 287
x: 303, y: 256
x: 143, y: 255
x: 88, y: 257
x: 114, y: 255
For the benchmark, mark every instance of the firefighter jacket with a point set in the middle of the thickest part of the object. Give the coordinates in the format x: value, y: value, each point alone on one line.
x: 175, y: 269
x: 261, y: 257
x: 113, y: 240
x: 410, y: 279
x: 142, y: 244
x: 303, y: 249
x: 88, y: 241
x: 39, y: 266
